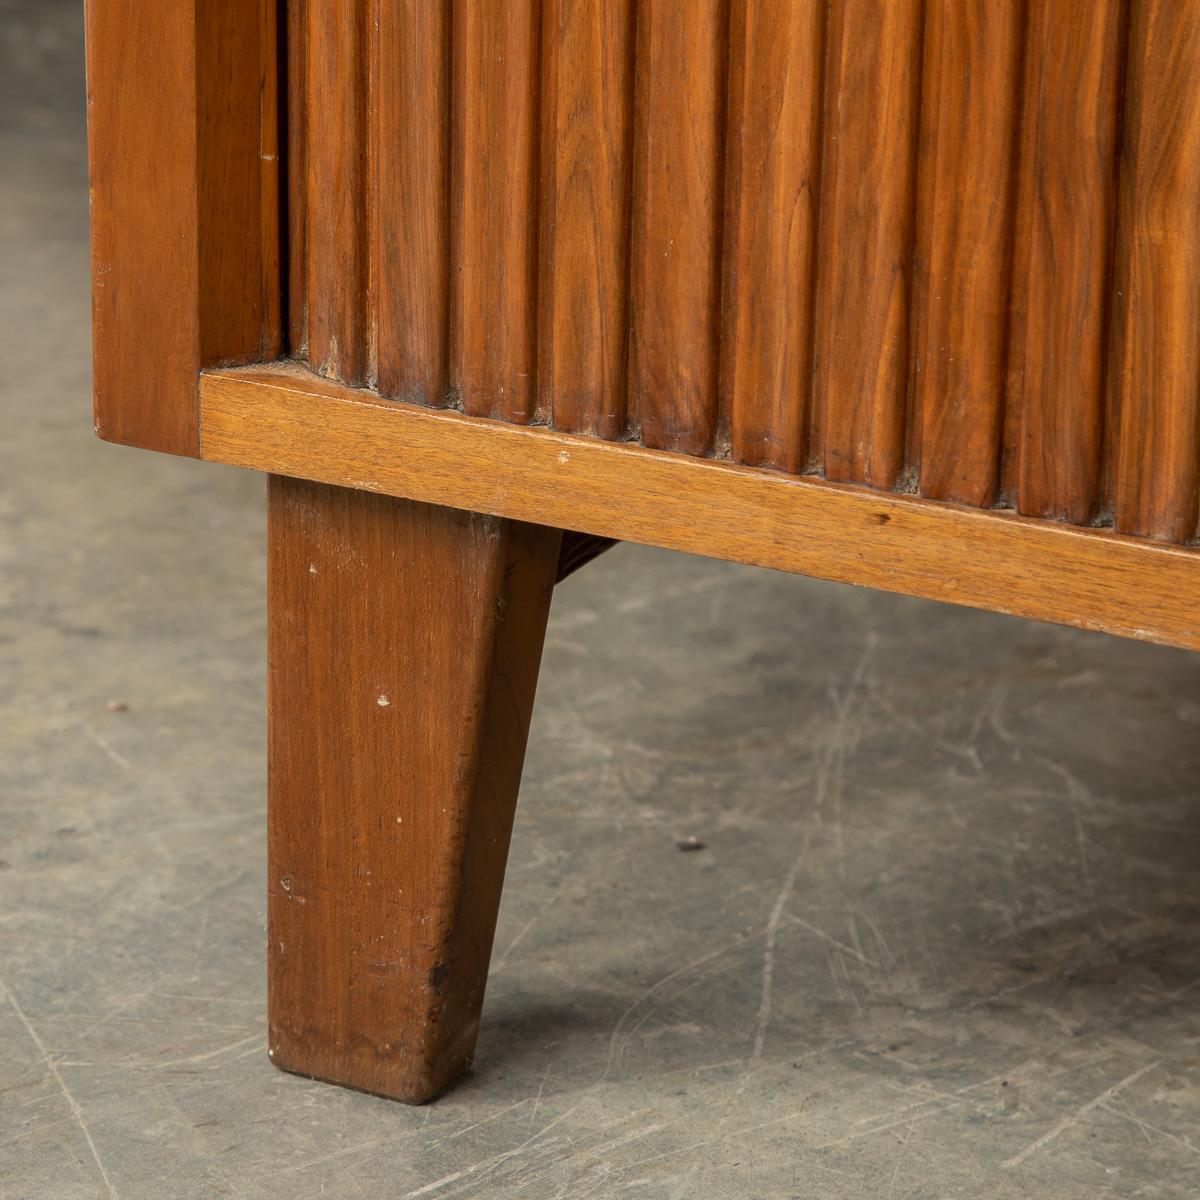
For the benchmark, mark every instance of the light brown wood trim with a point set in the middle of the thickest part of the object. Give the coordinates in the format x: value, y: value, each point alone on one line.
x: 282, y: 419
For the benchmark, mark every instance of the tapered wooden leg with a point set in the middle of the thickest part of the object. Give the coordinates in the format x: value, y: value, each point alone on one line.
x: 404, y: 646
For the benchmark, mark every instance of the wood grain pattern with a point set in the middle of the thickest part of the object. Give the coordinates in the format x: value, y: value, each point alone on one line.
x: 494, y: 248
x: 184, y: 201
x: 1157, y: 380
x: 868, y: 200
x: 460, y: 181
x: 1067, y: 207
x: 775, y: 98
x: 294, y: 61
x: 587, y: 147
x: 404, y: 643
x: 969, y: 119
x: 871, y: 239
x: 678, y: 203
x: 339, y: 325
x: 287, y: 420
x: 412, y: 180
x: 237, y: 181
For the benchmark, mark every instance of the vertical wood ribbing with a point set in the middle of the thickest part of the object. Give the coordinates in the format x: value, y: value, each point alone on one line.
x: 866, y: 238
x: 337, y: 209
x: 786, y: 221
x: 412, y: 154
x: 587, y: 110
x: 274, y: 182
x: 296, y: 233
x: 774, y: 151
x: 1063, y: 255
x: 678, y: 201
x: 969, y: 114
x: 237, y: 160
x: 494, y: 235
x: 1157, y: 384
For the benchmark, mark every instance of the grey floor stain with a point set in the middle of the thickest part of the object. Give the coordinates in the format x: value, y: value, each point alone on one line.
x: 941, y: 940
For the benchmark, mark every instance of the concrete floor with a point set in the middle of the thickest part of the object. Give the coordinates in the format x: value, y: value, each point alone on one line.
x: 942, y: 940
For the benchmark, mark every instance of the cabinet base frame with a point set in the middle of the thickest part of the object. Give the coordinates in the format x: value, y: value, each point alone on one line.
x: 281, y: 418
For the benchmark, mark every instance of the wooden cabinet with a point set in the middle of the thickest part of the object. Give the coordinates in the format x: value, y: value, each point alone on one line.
x: 903, y: 293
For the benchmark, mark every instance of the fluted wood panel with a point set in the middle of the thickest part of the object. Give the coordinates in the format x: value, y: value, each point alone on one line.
x: 969, y: 119
x: 777, y: 50
x: 294, y: 96
x: 949, y: 247
x: 587, y: 164
x: 337, y: 275
x: 677, y: 216
x: 494, y: 202
x: 864, y: 265
x: 412, y: 222
x: 1157, y: 398
x: 1064, y: 254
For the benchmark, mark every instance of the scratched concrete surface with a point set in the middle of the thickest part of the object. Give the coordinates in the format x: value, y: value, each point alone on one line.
x: 942, y: 940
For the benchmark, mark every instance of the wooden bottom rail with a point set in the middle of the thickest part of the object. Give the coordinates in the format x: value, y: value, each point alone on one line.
x: 283, y: 419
